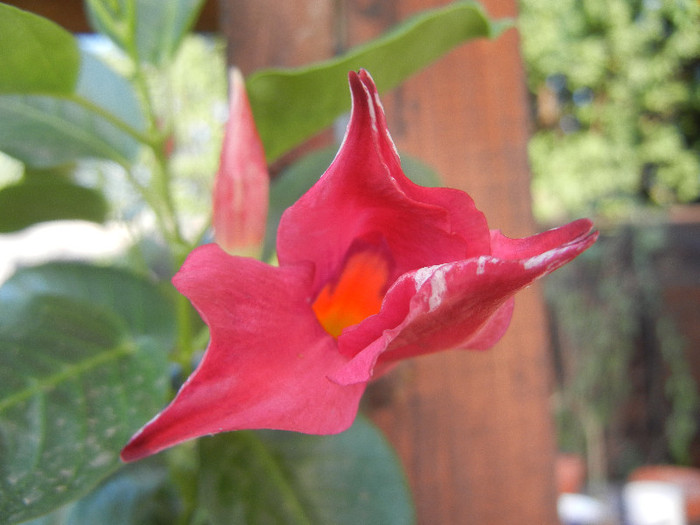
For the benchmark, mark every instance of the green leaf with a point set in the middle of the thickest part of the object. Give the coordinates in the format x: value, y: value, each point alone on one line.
x: 33, y: 201
x: 100, y: 85
x: 100, y: 120
x: 44, y: 131
x: 83, y: 362
x: 283, y: 477
x: 36, y: 55
x: 296, y: 180
x: 147, y: 30
x: 138, y: 493
x: 291, y: 105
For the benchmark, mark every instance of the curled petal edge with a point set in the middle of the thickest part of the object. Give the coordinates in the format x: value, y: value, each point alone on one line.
x: 462, y: 305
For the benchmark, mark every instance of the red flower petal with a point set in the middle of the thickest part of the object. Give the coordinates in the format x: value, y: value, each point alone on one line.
x: 464, y: 304
x: 365, y: 195
x: 506, y: 248
x: 267, y: 362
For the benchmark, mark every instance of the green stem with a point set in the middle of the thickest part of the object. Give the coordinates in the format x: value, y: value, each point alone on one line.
x: 161, y: 177
x: 199, y: 238
x: 179, y: 247
x: 158, y: 194
x: 118, y: 123
x: 162, y: 187
x: 185, y: 349
x: 273, y: 473
x: 160, y: 200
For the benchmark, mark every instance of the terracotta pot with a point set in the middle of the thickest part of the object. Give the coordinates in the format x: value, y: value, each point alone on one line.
x: 685, y: 477
x: 570, y: 473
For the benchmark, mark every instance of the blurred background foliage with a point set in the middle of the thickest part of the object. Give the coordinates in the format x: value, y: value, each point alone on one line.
x: 615, y: 90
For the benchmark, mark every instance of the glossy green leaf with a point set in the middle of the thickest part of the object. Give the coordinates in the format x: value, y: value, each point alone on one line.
x: 35, y: 200
x: 99, y: 120
x: 36, y: 55
x: 291, y: 105
x: 290, y: 478
x: 148, y: 30
x: 83, y: 362
x: 139, y: 493
x: 296, y: 180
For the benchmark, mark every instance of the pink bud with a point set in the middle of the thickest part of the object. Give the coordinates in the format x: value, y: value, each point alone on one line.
x: 242, y: 182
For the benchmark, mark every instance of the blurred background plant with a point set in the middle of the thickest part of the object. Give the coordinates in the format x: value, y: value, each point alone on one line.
x: 615, y: 88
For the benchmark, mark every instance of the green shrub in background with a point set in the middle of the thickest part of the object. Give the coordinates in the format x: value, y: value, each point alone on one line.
x: 617, y: 84
x: 616, y: 90
x: 625, y: 392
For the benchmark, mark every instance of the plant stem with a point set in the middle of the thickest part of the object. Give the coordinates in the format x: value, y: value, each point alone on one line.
x: 185, y: 348
x: 272, y: 469
x: 159, y: 197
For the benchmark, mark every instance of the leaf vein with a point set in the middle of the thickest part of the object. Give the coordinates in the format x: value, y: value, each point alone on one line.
x: 67, y: 373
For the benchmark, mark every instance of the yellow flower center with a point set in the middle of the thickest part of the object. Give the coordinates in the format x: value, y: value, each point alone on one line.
x: 355, y: 295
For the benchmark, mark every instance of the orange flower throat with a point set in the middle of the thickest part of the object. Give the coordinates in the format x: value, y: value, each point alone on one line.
x: 357, y: 294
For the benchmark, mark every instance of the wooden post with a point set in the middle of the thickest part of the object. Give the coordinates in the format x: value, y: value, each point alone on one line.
x: 472, y: 428
x: 70, y: 14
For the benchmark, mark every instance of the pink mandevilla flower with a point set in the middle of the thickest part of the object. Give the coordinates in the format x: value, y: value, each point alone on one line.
x: 372, y: 269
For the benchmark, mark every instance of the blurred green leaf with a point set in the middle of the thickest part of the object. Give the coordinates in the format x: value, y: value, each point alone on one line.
x: 296, y: 180
x: 291, y: 105
x: 99, y: 120
x: 618, y: 105
x: 44, y: 131
x: 138, y: 493
x: 291, y: 478
x: 105, y: 88
x: 419, y: 172
x: 147, y: 30
x: 291, y: 184
x: 83, y: 360
x: 36, y: 55
x: 33, y: 201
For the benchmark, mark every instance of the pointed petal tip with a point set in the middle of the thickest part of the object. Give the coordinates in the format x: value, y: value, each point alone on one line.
x: 151, y: 438
x: 365, y: 75
x: 145, y: 442
x: 361, y: 74
x: 362, y: 81
x: 128, y: 457
x: 580, y: 227
x: 581, y: 233
x: 132, y: 451
x: 236, y: 79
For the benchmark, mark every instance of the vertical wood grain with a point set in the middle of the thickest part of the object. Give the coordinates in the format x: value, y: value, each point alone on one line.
x: 472, y: 428
x: 268, y: 33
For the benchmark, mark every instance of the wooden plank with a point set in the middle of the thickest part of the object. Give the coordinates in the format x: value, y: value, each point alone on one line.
x: 472, y: 429
x: 70, y: 14
x: 267, y: 33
